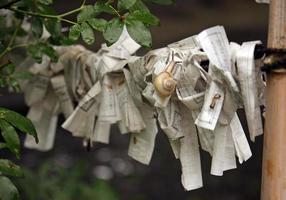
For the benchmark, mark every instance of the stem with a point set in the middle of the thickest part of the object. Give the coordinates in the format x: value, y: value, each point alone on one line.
x: 73, y: 11
x: 68, y: 21
x: 8, y: 48
x: 18, y: 46
x: 57, y: 17
x: 33, y: 14
x: 116, y: 11
x: 5, y: 64
x: 14, y: 34
x: 70, y: 12
x: 4, y: 53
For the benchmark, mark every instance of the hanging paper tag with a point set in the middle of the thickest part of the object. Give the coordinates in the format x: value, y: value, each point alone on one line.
x: 190, y: 154
x: 247, y: 75
x: 215, y: 43
x: 142, y: 144
x: 81, y: 121
x: 44, y: 117
x: 59, y: 85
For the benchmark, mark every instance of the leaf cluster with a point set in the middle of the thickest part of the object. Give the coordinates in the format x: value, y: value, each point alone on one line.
x: 36, y: 27
x: 105, y: 16
x: 10, y: 122
x: 134, y: 14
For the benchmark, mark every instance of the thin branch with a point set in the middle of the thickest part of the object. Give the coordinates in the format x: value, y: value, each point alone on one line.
x: 8, y: 48
x: 58, y: 17
x: 70, y: 12
x: 116, y: 11
x: 68, y: 21
x: 4, y: 53
x: 5, y: 64
x: 15, y: 34
x: 73, y: 11
x: 18, y: 46
x: 33, y: 13
x: 83, y: 3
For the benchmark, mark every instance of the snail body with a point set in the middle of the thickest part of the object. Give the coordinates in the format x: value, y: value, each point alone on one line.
x: 164, y: 83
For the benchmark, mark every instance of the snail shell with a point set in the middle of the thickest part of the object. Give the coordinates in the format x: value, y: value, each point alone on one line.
x: 165, y: 84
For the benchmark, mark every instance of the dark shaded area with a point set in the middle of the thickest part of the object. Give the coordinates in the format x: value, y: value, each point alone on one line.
x: 244, y: 20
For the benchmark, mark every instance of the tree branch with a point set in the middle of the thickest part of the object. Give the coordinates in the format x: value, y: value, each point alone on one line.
x: 58, y: 17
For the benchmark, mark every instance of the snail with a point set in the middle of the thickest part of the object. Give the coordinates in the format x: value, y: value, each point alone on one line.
x: 164, y: 82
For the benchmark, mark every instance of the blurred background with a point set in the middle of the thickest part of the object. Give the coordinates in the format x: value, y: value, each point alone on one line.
x: 70, y: 172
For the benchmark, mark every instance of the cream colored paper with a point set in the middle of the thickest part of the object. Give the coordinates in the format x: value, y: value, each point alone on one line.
x: 60, y: 88
x: 142, y: 144
x: 247, y: 75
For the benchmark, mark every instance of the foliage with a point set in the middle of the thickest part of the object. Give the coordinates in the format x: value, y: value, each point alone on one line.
x: 9, y: 77
x: 34, y: 26
x: 134, y: 14
x: 61, y: 184
x: 11, y: 121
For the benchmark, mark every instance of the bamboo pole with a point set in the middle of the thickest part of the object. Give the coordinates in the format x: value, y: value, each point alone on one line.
x: 274, y: 150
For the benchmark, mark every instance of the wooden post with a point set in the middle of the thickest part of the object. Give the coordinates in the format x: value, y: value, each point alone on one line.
x: 274, y: 150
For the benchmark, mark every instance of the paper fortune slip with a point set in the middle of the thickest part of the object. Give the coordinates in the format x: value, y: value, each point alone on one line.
x: 191, y: 89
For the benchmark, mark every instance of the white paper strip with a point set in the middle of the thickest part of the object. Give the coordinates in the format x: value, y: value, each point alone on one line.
x: 190, y: 154
x: 142, y: 144
x: 248, y: 83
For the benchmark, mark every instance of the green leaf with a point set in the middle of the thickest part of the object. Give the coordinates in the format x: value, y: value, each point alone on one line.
x: 139, y: 32
x: 102, y: 7
x: 2, y: 20
x: 98, y: 24
x: 36, y: 54
x: 22, y: 32
x: 87, y: 34
x: 11, y: 137
x: 2, y: 82
x: 41, y: 48
x: 139, y: 5
x: 8, y: 191
x: 49, y: 51
x: 3, y: 145
x: 14, y: 84
x: 145, y: 17
x: 125, y: 4
x: 53, y: 26
x: 9, y: 68
x: 87, y: 13
x: 163, y: 2
x: 66, y: 41
x: 46, y: 2
x: 113, y: 30
x: 75, y: 32
x: 43, y: 9
x: 20, y: 122
x: 8, y: 168
x: 22, y: 75
x: 37, y: 27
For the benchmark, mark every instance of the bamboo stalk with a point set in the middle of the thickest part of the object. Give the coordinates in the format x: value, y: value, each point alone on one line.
x: 274, y: 150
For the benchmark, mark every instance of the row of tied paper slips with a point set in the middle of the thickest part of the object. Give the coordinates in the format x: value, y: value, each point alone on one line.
x: 194, y: 105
